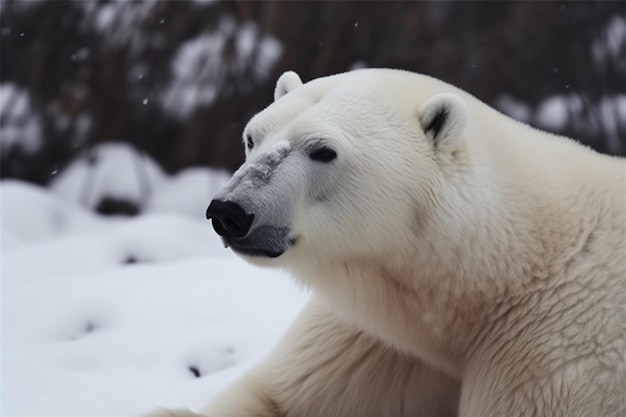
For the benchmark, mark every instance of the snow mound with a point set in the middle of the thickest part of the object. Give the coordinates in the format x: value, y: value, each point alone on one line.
x: 132, y: 339
x: 189, y: 192
x: 116, y: 171
x: 111, y: 170
x: 119, y: 316
x: 149, y: 239
x: 29, y: 213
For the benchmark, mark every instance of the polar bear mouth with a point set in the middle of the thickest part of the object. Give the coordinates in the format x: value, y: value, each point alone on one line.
x: 264, y: 241
x: 258, y: 252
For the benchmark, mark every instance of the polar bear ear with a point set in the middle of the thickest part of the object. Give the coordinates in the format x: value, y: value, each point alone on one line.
x: 443, y: 118
x: 286, y: 83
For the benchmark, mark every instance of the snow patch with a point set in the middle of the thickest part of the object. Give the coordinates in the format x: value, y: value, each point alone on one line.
x: 20, y: 127
x: 86, y: 332
x: 198, y: 68
x: 612, y: 42
x: 555, y: 112
x: 29, y: 214
x: 118, y: 21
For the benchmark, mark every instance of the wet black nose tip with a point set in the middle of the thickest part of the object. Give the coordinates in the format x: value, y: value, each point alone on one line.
x: 229, y: 219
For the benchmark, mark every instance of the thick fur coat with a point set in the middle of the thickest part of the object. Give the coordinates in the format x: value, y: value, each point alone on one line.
x: 463, y: 264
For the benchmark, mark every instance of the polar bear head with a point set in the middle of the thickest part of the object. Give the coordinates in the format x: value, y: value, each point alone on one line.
x: 342, y: 167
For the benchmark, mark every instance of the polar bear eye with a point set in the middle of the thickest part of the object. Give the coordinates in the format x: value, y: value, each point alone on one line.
x: 249, y: 142
x: 323, y: 154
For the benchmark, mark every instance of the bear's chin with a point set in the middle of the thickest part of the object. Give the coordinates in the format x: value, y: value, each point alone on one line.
x: 268, y: 244
x: 256, y: 252
x: 271, y: 261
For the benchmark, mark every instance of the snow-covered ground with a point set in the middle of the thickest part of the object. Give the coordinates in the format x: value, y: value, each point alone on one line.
x: 117, y: 316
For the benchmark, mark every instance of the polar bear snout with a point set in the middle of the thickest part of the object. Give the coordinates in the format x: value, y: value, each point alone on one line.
x: 229, y: 219
x: 239, y: 230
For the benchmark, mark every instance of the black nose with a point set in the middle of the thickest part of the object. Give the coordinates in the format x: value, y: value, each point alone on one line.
x: 229, y: 219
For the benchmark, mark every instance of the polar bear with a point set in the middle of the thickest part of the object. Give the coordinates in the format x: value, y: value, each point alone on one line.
x: 462, y: 263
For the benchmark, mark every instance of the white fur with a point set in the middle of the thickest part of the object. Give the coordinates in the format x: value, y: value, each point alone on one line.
x: 287, y: 82
x: 484, y: 275
x: 456, y: 119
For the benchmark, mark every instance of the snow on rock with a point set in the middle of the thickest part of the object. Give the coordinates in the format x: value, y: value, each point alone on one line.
x: 188, y: 192
x: 109, y: 170
x: 612, y: 42
x: 20, y: 126
x: 199, y: 67
x: 555, y: 112
x: 120, y: 22
x: 606, y: 117
x: 117, y: 171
